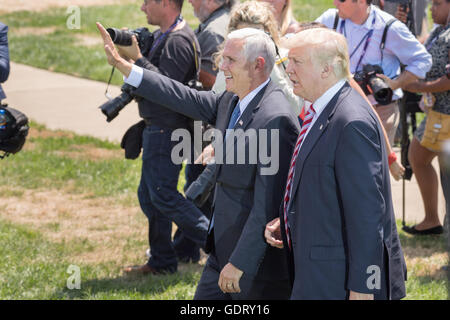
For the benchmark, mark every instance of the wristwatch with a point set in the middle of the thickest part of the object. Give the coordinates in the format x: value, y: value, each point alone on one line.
x: 447, y: 71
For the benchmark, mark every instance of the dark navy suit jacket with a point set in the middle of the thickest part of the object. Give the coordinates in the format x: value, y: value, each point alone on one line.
x: 4, y: 57
x: 343, y: 229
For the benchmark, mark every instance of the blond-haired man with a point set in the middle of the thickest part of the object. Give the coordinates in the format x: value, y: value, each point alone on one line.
x: 337, y: 220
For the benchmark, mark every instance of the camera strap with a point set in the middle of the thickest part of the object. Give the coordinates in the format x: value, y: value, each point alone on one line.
x: 178, y: 20
x: 107, y: 95
x: 383, y: 39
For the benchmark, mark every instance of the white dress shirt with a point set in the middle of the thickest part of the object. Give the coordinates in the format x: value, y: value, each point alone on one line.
x: 322, y: 102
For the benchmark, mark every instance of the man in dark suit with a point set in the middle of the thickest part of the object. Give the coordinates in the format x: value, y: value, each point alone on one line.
x: 248, y: 193
x: 337, y: 218
x: 4, y: 57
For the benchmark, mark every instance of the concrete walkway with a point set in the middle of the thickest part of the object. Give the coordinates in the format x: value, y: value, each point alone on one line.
x: 64, y: 102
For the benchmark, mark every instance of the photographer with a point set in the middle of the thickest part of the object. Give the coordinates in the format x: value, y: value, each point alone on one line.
x: 363, y: 25
x: 173, y: 54
x: 4, y: 58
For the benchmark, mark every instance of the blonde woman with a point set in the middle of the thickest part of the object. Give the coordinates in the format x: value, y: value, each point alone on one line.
x: 259, y: 15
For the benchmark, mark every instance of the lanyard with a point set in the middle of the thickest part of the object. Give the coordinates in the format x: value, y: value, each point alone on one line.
x: 432, y: 40
x: 161, y: 37
x: 366, y: 37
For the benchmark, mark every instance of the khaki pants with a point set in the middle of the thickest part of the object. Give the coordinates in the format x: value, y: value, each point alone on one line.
x: 390, y: 118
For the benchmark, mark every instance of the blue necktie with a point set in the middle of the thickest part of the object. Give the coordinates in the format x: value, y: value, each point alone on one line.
x: 234, y: 116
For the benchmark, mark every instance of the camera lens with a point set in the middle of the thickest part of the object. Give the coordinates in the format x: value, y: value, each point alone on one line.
x: 381, y: 91
x: 120, y: 37
x: 112, y: 108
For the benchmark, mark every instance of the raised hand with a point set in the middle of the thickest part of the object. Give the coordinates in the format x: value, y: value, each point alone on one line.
x: 112, y: 54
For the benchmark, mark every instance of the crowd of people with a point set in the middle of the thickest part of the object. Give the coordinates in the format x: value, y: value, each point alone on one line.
x: 322, y: 226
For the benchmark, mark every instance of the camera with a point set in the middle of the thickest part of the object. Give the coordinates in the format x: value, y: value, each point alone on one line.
x: 123, y: 38
x: 112, y: 108
x: 371, y: 84
x: 120, y: 37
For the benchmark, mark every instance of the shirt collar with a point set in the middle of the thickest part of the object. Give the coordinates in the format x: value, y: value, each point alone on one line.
x: 324, y: 99
x: 249, y: 97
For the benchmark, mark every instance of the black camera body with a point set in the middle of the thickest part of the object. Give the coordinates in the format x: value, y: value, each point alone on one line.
x: 123, y: 38
x: 371, y: 84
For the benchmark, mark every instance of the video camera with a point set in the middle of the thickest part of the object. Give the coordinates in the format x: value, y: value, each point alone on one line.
x: 120, y: 37
x: 371, y: 84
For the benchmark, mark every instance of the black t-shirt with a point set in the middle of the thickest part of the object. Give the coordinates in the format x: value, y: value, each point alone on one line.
x: 173, y: 57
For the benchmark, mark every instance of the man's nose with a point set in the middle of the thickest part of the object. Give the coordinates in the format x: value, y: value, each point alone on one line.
x: 289, y: 68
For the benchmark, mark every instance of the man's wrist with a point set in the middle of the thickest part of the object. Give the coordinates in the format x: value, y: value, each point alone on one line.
x: 124, y: 67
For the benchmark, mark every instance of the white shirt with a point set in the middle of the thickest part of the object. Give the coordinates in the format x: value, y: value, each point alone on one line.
x: 401, y: 45
x: 322, y: 102
x: 135, y: 77
x: 249, y: 97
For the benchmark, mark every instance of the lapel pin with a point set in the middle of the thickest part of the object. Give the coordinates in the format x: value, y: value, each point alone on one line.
x: 240, y: 122
x: 321, y: 126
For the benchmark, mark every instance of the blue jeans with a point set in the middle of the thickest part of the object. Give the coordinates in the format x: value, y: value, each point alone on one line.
x: 162, y: 203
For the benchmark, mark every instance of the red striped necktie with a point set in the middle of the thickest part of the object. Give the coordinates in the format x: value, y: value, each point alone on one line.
x: 287, y: 195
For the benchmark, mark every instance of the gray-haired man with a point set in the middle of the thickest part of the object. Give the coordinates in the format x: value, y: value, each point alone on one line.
x: 214, y: 16
x: 241, y: 265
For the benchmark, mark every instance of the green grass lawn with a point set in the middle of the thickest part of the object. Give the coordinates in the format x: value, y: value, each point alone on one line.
x: 71, y: 200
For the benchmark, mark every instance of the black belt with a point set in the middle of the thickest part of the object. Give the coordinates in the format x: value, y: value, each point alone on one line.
x: 147, y: 121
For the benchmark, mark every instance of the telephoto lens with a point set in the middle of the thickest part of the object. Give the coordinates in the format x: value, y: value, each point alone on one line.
x: 120, y: 37
x: 381, y: 91
x: 112, y: 108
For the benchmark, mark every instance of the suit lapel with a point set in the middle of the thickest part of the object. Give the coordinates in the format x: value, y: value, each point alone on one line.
x: 224, y: 123
x: 314, y: 134
x: 245, y: 119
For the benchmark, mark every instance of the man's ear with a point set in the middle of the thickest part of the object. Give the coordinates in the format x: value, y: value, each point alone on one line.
x: 326, y: 71
x: 260, y: 62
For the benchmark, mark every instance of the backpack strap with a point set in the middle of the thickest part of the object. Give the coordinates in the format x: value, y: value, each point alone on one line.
x: 336, y: 21
x: 383, y: 38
